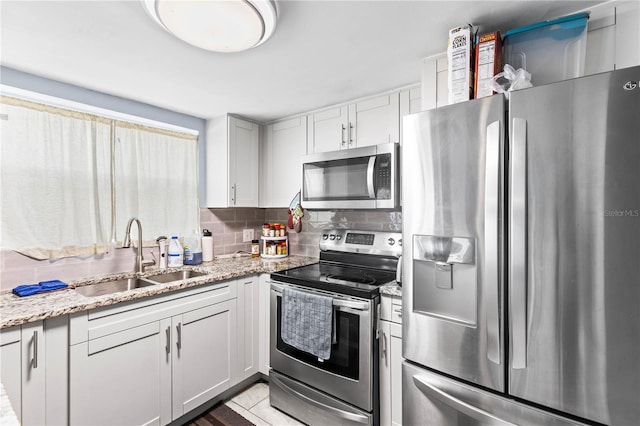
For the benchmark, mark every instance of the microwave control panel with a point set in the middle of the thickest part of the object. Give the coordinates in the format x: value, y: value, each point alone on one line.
x: 383, y: 177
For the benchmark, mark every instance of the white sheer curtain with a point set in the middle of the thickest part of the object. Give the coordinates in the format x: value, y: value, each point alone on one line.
x: 55, y: 190
x: 156, y: 180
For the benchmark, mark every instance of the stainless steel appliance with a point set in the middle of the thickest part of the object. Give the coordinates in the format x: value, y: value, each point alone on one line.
x: 521, y: 302
x: 344, y: 388
x: 359, y: 178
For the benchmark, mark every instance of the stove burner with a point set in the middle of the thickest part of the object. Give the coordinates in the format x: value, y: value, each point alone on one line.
x: 344, y: 279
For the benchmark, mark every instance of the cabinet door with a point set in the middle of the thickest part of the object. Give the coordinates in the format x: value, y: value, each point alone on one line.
x: 385, y: 372
x: 33, y: 374
x: 390, y: 373
x: 328, y: 130
x: 123, y: 378
x: 10, y: 366
x: 248, y: 327
x: 395, y: 356
x: 286, y: 144
x: 204, y: 351
x: 264, y: 318
x: 374, y: 121
x: 243, y: 163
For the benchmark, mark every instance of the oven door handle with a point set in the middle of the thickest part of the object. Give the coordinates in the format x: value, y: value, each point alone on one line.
x: 359, y: 306
x: 354, y: 417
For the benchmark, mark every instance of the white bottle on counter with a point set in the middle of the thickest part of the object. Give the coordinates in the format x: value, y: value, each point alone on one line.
x: 207, y: 246
x: 176, y: 253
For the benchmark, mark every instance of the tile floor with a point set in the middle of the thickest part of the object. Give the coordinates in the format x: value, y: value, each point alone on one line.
x: 253, y: 405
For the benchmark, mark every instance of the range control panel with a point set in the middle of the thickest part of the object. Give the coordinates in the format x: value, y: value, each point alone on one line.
x: 366, y: 242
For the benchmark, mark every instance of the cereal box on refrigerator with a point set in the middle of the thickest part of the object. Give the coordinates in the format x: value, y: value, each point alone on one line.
x: 488, y: 62
x: 460, y: 55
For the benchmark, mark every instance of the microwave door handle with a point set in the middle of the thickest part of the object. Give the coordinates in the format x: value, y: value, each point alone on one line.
x: 370, y: 176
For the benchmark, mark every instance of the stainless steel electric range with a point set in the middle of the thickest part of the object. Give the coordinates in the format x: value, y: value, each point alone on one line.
x: 342, y: 389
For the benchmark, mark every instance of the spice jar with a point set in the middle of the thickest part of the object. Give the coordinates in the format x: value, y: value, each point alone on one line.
x: 255, y: 248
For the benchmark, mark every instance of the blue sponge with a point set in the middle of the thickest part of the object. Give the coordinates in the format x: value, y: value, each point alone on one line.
x: 41, y: 287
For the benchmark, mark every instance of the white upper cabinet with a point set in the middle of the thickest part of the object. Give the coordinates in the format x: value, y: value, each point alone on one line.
x: 367, y: 122
x: 285, y: 144
x: 232, y: 162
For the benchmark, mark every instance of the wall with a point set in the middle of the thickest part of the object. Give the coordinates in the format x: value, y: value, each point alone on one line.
x: 226, y: 225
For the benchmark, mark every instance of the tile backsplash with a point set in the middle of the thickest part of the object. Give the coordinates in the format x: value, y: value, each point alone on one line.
x: 226, y: 226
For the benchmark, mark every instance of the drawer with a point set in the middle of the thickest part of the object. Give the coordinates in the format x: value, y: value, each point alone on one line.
x: 391, y: 308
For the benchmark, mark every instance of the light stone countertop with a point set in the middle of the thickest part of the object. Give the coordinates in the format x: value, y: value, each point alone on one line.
x: 391, y: 289
x: 15, y: 310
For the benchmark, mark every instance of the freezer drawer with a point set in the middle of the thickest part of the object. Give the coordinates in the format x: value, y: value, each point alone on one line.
x: 431, y: 399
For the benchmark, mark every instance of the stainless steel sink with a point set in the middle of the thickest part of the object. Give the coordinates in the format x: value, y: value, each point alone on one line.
x: 174, y: 276
x: 109, y: 287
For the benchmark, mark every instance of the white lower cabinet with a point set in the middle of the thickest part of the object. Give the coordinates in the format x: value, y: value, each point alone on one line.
x: 203, y: 355
x: 390, y: 348
x: 264, y: 292
x: 122, y: 378
x: 151, y: 361
x: 248, y: 328
x: 32, y: 374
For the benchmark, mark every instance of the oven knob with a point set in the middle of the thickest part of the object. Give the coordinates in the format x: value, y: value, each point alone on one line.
x: 332, y: 237
x: 325, y: 236
x: 338, y: 237
x: 400, y: 242
x: 391, y: 241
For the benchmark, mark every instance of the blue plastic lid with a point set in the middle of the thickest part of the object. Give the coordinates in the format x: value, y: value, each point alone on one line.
x: 565, y: 20
x: 173, y: 237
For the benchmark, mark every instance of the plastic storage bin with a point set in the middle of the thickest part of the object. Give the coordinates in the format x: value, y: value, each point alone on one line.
x: 551, y: 50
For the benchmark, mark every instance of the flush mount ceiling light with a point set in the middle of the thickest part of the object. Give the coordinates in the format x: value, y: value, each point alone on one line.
x: 216, y: 25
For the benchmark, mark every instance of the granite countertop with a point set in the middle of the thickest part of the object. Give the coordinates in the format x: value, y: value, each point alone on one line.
x: 391, y: 289
x: 16, y: 310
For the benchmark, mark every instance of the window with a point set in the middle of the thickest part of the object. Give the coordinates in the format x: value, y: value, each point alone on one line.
x: 70, y: 180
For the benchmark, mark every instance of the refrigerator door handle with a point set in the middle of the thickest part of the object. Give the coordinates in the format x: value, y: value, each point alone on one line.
x: 465, y: 408
x: 491, y: 242
x: 518, y: 244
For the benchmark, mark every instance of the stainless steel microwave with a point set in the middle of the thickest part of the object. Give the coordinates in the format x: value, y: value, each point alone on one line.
x: 358, y: 178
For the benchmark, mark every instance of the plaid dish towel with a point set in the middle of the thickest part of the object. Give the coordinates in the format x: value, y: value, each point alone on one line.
x: 307, y: 322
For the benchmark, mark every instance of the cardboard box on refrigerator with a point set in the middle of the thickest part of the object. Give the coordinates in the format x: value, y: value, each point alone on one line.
x: 488, y: 62
x: 460, y: 55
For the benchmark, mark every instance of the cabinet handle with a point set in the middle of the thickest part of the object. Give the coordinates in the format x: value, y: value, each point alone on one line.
x: 168, y: 346
x: 344, y: 142
x: 233, y: 198
x: 384, y: 347
x: 34, y: 360
x: 350, y: 133
x: 179, y: 330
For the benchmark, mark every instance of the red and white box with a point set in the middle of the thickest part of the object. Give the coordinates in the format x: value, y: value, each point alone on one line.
x: 460, y: 56
x: 488, y: 62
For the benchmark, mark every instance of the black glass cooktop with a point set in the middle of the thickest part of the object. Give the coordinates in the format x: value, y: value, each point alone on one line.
x: 351, y: 280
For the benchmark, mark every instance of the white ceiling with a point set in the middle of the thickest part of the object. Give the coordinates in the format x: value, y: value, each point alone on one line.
x: 322, y: 53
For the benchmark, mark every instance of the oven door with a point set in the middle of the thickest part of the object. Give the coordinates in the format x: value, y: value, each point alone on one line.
x: 349, y: 373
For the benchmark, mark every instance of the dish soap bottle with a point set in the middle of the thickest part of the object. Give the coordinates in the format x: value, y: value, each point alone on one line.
x: 192, y: 249
x: 175, y: 253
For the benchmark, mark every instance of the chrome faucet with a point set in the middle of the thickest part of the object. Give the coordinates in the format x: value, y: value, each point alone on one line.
x: 140, y: 262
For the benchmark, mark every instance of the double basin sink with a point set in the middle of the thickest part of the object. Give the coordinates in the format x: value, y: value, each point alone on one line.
x: 116, y: 286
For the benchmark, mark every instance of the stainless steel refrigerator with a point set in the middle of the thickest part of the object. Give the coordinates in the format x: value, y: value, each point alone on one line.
x: 521, y: 230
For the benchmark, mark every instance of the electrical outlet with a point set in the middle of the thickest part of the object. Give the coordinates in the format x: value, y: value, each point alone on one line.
x: 247, y: 235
